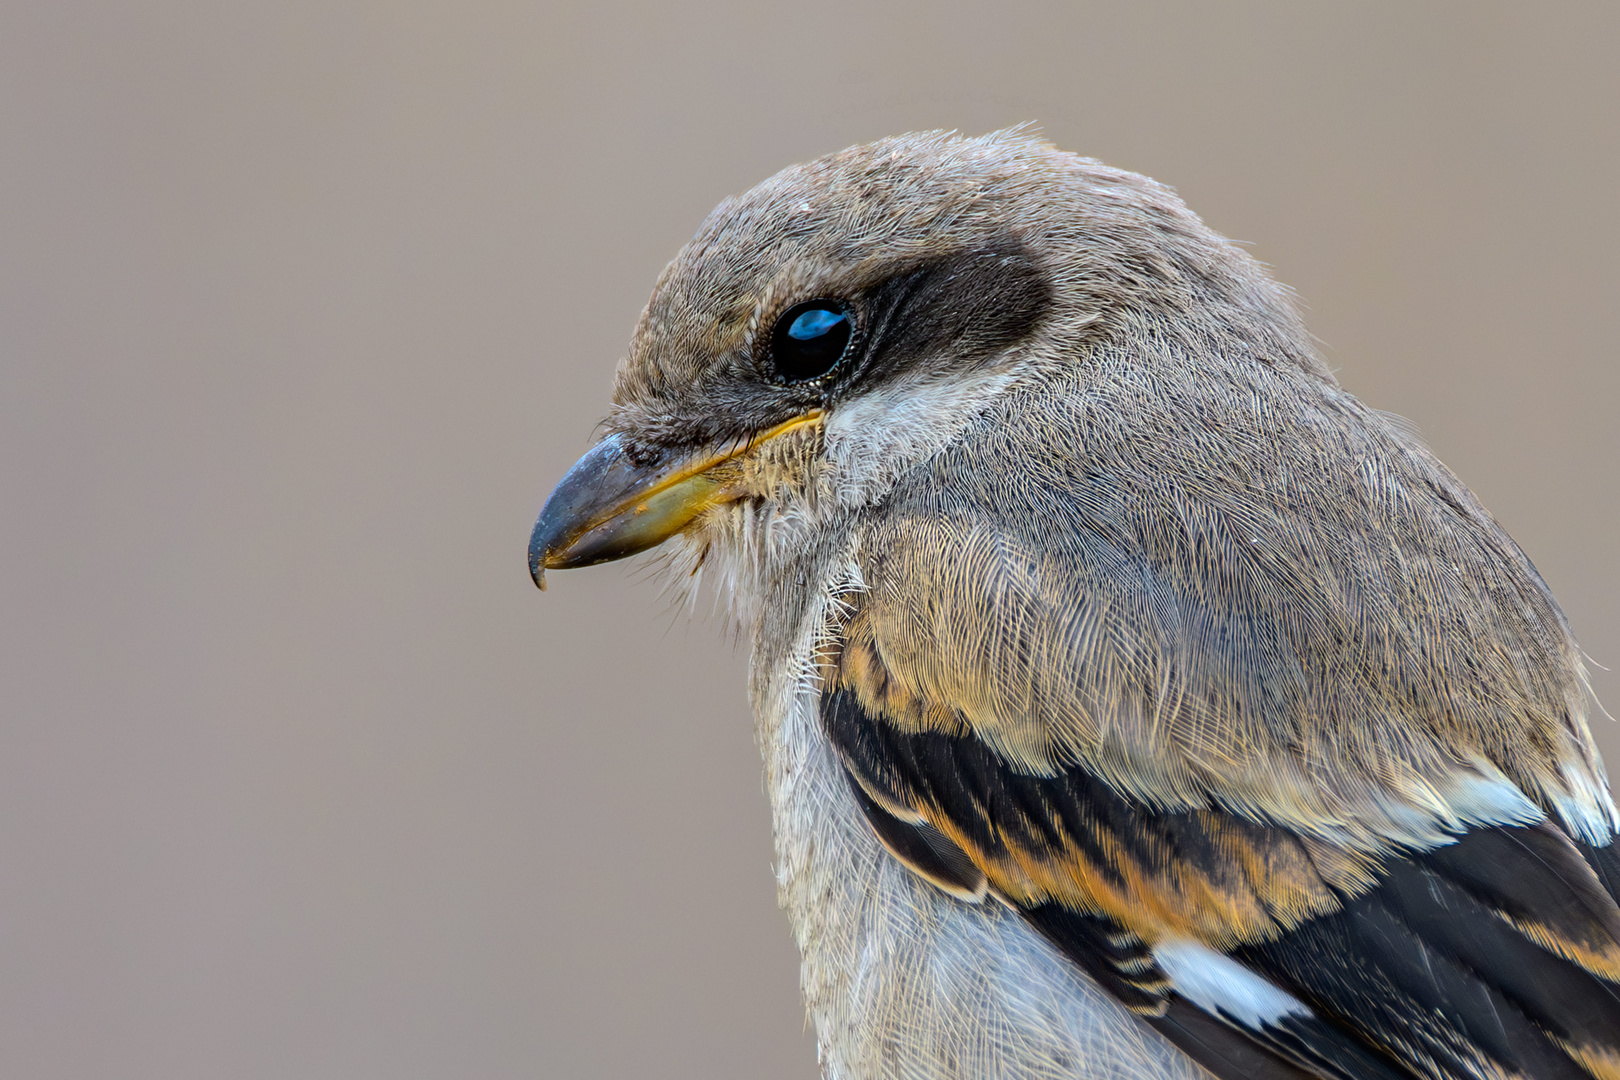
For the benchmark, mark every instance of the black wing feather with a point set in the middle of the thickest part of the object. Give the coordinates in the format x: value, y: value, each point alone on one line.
x: 1375, y: 974
x: 1605, y: 862
x: 1228, y: 1054
x: 1464, y: 956
x: 1107, y: 952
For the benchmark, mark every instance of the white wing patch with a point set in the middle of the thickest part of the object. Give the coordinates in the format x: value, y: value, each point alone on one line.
x: 1483, y: 795
x: 1221, y: 986
x: 1587, y: 810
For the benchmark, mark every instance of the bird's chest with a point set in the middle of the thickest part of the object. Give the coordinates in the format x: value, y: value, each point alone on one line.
x: 905, y: 981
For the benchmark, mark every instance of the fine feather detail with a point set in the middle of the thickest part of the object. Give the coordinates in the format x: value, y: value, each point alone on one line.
x: 1492, y: 954
x: 1094, y: 594
x: 1355, y: 672
x: 1078, y: 711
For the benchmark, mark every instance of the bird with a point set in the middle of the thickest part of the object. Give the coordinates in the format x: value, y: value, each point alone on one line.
x: 1135, y: 702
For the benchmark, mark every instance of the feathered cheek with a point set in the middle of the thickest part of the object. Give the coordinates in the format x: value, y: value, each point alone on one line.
x: 723, y: 554
x: 773, y: 470
x: 765, y: 526
x: 726, y: 536
x: 785, y: 470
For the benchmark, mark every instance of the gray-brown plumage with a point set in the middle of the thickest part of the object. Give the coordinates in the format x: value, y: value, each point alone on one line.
x: 1131, y: 695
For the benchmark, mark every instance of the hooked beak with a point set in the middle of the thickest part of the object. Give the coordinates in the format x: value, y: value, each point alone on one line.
x: 608, y: 506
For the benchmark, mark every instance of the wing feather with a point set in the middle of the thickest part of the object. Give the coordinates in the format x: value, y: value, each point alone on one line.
x: 1487, y: 955
x: 1293, y: 778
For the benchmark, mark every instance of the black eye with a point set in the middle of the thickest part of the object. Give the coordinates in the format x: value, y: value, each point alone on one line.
x: 810, y: 338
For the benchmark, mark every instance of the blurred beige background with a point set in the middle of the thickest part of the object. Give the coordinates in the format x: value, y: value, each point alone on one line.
x: 305, y: 305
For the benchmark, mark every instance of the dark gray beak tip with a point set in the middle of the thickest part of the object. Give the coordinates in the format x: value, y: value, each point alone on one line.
x: 571, y: 506
x: 537, y: 566
x: 539, y: 541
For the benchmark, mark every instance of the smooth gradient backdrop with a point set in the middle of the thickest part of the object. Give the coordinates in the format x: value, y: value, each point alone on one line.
x: 305, y: 304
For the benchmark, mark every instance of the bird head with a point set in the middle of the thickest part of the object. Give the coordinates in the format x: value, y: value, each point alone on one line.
x: 834, y: 327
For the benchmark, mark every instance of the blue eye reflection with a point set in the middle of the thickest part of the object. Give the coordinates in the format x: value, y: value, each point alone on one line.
x: 810, y: 339
x: 814, y: 323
